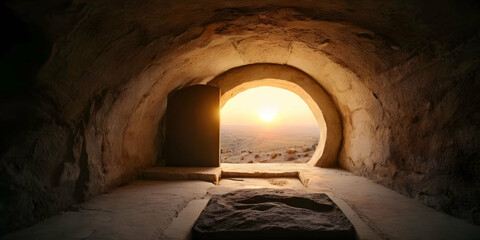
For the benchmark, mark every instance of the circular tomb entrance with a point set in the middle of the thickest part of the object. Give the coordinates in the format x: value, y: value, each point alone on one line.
x: 238, y: 80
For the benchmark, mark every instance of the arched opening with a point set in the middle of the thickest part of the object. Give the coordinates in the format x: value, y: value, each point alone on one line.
x: 268, y: 125
x: 239, y: 79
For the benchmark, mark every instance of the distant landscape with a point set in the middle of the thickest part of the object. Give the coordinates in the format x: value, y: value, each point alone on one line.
x: 267, y: 144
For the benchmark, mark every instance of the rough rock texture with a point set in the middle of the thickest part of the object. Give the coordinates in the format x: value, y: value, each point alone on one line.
x: 272, y: 214
x: 85, y: 90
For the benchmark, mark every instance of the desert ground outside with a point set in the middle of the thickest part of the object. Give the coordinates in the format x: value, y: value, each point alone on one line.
x: 267, y: 144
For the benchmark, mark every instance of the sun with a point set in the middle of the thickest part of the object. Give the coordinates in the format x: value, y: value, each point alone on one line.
x: 267, y: 114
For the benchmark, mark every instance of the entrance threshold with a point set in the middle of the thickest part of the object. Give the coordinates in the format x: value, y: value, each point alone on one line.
x: 226, y: 170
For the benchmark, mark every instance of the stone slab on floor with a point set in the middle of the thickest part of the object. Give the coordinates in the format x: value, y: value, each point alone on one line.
x: 272, y: 214
x: 209, y: 174
x: 227, y: 185
x: 262, y: 170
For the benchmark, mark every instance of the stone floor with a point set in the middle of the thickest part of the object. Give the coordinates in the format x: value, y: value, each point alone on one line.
x: 167, y: 209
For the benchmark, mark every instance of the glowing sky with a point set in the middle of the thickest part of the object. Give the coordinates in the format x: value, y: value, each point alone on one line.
x: 250, y: 106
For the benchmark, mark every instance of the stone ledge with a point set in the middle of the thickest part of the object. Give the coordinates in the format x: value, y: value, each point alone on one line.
x: 209, y: 174
x: 262, y: 170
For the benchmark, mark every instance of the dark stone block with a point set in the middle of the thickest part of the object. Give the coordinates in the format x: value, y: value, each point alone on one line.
x: 272, y: 214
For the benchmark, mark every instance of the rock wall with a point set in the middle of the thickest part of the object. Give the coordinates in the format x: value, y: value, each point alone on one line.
x: 403, y: 75
x: 433, y: 111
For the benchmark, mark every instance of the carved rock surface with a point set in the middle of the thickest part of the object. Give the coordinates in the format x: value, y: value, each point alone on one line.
x: 272, y: 214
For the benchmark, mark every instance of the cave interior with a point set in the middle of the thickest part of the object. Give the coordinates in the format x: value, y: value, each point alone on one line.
x: 394, y: 85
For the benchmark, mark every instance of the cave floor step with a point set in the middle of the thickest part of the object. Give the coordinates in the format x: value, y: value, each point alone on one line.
x: 209, y: 174
x: 226, y: 170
